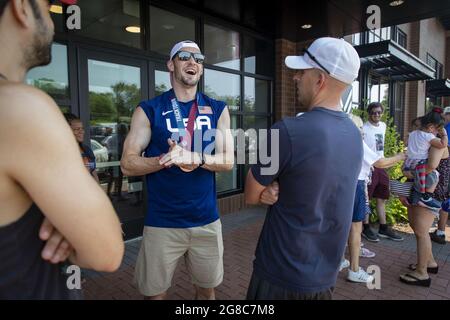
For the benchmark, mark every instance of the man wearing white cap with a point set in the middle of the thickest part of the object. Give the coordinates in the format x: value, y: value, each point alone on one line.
x: 182, y: 219
x: 305, y: 231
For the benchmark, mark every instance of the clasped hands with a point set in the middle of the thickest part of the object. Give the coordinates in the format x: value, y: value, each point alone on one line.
x: 178, y: 156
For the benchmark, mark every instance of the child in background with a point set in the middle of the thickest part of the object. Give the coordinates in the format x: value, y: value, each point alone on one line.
x: 419, y: 143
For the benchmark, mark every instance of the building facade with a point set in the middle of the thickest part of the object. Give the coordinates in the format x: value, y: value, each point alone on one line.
x: 118, y: 58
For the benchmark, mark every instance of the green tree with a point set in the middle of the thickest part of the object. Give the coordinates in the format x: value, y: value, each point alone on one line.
x: 102, y: 107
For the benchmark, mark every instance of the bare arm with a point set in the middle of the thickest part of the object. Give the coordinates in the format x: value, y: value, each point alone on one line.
x: 133, y: 163
x: 47, y: 164
x: 223, y: 159
x: 384, y: 163
x: 253, y: 190
x: 440, y: 143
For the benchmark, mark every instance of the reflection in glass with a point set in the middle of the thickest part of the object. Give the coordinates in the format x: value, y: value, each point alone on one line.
x: 258, y: 56
x: 53, y: 78
x: 162, y: 82
x: 114, y: 92
x: 224, y: 87
x: 168, y: 28
x: 256, y: 95
x: 229, y: 8
x: 107, y: 20
x: 222, y: 47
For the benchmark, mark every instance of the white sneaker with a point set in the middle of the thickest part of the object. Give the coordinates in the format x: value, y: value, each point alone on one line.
x: 360, y: 276
x: 344, y: 264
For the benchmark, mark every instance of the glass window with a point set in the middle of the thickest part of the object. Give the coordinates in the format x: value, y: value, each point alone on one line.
x: 257, y: 95
x: 401, y: 38
x: 228, y: 180
x: 229, y: 8
x: 258, y: 55
x: 222, y: 47
x: 114, y: 92
x: 224, y: 87
x: 168, y: 28
x: 112, y: 21
x: 53, y: 78
x: 162, y: 82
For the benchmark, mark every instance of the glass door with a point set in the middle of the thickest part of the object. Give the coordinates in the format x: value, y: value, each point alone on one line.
x: 111, y: 88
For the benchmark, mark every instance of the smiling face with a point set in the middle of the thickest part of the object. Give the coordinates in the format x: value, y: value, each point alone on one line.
x: 375, y: 115
x: 187, y: 73
x: 77, y: 129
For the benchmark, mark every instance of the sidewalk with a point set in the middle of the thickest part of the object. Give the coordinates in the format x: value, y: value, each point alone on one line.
x: 240, y: 234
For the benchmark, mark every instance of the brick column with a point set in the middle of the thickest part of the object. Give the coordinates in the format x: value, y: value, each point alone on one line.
x: 284, y: 84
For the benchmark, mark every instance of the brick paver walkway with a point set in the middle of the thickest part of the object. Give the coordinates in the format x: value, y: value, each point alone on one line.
x: 241, y: 231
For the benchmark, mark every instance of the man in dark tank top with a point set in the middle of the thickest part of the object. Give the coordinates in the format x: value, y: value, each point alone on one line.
x: 51, y: 209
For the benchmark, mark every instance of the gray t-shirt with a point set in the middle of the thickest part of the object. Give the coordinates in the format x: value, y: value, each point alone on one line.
x: 304, y: 234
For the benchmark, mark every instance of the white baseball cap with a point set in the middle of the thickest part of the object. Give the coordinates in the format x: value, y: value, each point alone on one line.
x: 183, y: 44
x: 447, y: 110
x: 335, y: 56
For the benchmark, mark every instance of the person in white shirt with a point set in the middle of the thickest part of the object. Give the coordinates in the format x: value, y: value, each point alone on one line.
x: 374, y: 136
x: 361, y: 205
x: 419, y: 143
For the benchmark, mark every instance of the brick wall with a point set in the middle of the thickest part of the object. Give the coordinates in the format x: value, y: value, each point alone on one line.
x: 285, y: 104
x: 231, y: 204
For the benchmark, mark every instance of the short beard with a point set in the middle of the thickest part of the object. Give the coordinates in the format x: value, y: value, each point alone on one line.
x: 39, y: 52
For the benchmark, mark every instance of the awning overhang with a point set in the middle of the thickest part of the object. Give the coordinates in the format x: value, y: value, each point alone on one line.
x: 438, y: 88
x: 389, y: 60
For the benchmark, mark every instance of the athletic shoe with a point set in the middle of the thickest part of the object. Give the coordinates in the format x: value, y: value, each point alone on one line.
x: 360, y: 276
x: 429, y: 202
x: 438, y: 239
x: 389, y: 234
x: 344, y: 264
x: 369, y: 235
x: 366, y: 253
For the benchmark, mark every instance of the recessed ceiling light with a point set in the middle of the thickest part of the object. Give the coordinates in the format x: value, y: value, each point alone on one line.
x: 396, y: 3
x: 133, y: 29
x: 306, y: 26
x: 56, y: 9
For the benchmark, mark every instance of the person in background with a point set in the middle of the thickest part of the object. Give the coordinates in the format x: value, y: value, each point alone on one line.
x: 374, y: 136
x: 87, y: 154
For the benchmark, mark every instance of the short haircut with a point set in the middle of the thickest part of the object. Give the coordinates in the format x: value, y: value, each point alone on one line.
x: 434, y: 117
x: 70, y: 117
x: 374, y: 105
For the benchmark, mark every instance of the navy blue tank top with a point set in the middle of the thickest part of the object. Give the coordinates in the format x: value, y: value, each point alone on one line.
x: 23, y: 273
x: 177, y: 199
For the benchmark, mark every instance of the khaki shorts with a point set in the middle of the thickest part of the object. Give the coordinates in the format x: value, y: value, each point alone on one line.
x: 162, y: 248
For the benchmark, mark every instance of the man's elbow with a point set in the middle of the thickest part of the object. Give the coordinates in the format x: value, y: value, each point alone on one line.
x: 123, y: 166
x: 250, y: 199
x: 112, y: 259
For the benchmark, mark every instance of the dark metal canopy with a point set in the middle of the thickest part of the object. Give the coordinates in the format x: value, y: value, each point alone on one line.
x: 388, y: 59
x: 438, y: 88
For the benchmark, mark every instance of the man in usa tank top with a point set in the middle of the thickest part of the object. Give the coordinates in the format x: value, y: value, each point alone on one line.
x: 174, y: 131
